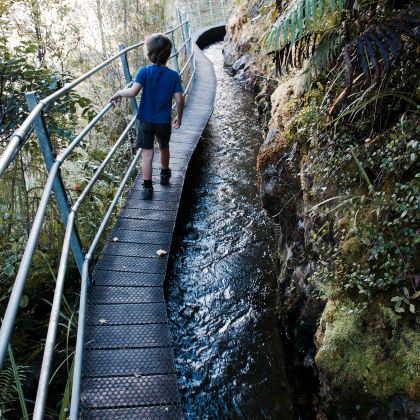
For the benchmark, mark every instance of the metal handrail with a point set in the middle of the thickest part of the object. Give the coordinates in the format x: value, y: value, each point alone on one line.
x: 53, y: 324
x: 77, y: 375
x: 186, y: 64
x: 19, y: 136
x: 19, y: 284
x: 16, y: 143
x: 183, y: 45
x: 53, y: 176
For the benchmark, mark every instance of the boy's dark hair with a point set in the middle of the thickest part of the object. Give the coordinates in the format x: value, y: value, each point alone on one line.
x: 158, y: 48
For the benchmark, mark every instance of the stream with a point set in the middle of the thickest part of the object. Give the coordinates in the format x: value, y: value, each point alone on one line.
x: 221, y: 280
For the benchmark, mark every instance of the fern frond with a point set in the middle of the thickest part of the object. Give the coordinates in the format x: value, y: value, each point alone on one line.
x: 7, y: 392
x: 302, y: 16
x: 8, y: 388
x: 381, y: 44
x: 327, y: 51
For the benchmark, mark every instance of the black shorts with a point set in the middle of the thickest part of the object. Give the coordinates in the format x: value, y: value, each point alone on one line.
x: 146, y: 133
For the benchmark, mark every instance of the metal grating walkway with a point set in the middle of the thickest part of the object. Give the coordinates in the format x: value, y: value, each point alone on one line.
x: 128, y: 362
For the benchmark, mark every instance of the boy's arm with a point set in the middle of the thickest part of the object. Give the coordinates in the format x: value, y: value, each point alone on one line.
x: 125, y: 93
x: 179, y: 100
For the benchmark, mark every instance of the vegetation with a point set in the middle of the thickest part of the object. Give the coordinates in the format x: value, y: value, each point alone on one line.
x: 43, y: 45
x: 345, y: 114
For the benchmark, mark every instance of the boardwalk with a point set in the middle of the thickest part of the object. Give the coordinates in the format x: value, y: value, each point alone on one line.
x: 128, y: 365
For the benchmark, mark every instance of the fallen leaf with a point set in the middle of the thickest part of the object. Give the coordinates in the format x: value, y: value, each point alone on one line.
x: 161, y: 252
x: 103, y: 321
x: 115, y: 239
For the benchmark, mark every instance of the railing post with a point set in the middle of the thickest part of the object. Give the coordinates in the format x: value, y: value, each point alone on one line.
x: 185, y: 17
x: 59, y: 190
x: 211, y: 11
x: 222, y: 2
x: 188, y: 36
x: 174, y: 51
x: 178, y: 14
x: 128, y: 77
x: 179, y: 19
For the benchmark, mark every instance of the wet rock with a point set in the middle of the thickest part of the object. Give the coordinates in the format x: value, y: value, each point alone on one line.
x: 189, y: 311
x: 230, y: 53
x: 282, y: 198
x: 242, y: 63
x: 263, y: 106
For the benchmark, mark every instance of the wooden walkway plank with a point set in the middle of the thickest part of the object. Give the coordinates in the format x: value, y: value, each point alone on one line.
x: 128, y: 362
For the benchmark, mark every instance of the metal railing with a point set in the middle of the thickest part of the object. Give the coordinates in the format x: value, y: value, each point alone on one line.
x: 69, y: 213
x: 204, y: 13
x: 35, y: 121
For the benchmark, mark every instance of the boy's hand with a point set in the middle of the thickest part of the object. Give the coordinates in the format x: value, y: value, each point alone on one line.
x: 116, y: 99
x: 176, y: 123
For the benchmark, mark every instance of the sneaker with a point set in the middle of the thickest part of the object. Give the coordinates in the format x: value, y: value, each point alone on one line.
x: 165, y: 176
x: 147, y: 193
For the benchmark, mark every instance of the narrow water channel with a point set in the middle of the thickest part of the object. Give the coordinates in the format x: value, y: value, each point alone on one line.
x: 221, y: 283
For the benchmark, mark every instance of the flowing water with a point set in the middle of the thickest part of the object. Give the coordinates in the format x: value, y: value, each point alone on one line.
x: 221, y: 282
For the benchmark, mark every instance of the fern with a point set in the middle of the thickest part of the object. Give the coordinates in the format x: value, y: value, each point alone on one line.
x: 326, y: 52
x: 300, y: 18
x: 7, y: 386
x: 11, y: 379
x: 379, y: 45
x: 294, y: 38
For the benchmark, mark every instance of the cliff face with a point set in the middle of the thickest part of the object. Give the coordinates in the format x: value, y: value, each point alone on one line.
x: 340, y: 199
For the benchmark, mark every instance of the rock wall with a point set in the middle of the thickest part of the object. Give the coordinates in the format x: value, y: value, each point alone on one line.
x: 289, y: 183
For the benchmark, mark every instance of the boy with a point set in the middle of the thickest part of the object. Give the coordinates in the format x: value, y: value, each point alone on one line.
x: 159, y: 84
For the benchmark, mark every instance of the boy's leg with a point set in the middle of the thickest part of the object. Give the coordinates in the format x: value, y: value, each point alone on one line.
x: 164, y: 156
x: 146, y: 162
x: 163, y: 134
x: 145, y: 140
x: 165, y: 172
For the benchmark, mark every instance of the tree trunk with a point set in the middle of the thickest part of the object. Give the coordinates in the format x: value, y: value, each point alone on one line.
x: 101, y: 27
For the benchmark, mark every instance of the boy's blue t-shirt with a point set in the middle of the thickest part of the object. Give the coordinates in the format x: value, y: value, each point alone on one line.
x: 158, y: 87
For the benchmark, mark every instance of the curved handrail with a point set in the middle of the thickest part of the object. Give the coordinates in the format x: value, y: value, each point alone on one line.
x: 16, y: 143
x: 20, y: 135
x: 53, y: 176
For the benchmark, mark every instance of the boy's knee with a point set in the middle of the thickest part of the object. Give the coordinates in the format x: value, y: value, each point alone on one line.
x: 147, y: 153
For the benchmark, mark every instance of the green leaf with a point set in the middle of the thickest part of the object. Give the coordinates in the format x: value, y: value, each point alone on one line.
x: 314, y: 12
x: 18, y: 385
x: 293, y: 29
x: 24, y: 301
x: 277, y: 38
x: 308, y: 15
x: 381, y: 95
x: 65, y: 405
x: 300, y: 19
x: 322, y: 7
x: 286, y: 31
x: 332, y: 5
x: 9, y: 270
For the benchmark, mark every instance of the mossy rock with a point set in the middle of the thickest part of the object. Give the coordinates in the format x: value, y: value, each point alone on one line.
x: 271, y: 154
x: 358, y: 352
x: 352, y: 250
